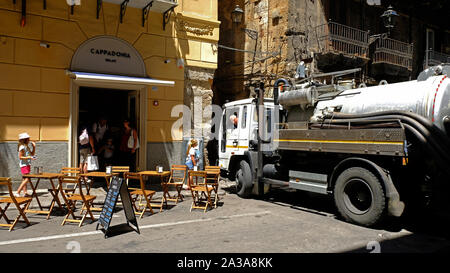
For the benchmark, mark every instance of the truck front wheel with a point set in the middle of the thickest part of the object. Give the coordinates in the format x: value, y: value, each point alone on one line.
x: 244, y: 183
x: 359, y: 196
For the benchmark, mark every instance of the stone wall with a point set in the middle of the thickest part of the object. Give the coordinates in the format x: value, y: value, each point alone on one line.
x: 290, y: 27
x: 199, y: 95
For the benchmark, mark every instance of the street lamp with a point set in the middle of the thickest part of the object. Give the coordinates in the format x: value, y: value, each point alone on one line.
x: 389, y: 18
x: 237, y: 14
x: 236, y: 17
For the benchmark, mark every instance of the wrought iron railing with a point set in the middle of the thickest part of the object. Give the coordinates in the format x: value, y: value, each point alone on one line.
x: 342, y: 39
x: 435, y: 58
x: 393, y: 52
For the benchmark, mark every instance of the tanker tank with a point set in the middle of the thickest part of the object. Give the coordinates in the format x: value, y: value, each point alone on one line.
x: 429, y: 98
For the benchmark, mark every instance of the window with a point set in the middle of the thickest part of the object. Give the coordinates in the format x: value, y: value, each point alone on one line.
x: 269, y: 120
x: 232, y: 124
x: 244, y: 118
x: 224, y: 133
x: 430, y: 39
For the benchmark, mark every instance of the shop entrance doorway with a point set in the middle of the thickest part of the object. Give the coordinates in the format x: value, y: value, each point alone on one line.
x: 103, y: 73
x: 113, y: 106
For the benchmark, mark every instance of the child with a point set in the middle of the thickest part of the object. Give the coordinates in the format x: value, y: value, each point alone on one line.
x: 108, y: 152
x: 192, y: 158
x: 25, y: 157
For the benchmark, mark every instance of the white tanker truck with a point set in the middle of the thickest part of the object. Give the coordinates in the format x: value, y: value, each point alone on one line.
x: 377, y: 150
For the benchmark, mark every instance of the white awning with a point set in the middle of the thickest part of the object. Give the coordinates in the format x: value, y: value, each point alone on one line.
x: 100, y: 80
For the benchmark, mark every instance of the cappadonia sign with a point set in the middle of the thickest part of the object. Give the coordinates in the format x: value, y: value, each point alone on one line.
x: 108, y: 55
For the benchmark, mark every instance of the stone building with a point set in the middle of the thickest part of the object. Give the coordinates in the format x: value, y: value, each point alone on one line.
x: 329, y: 35
x: 62, y: 65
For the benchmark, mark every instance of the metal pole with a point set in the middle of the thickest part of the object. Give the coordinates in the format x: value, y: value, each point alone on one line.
x: 426, y: 49
x: 260, y: 116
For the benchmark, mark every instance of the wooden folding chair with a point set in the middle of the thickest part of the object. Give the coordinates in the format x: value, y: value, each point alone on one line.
x: 121, y: 170
x: 71, y: 200
x: 212, y: 180
x: 69, y: 171
x: 70, y: 189
x: 17, y: 201
x: 199, y: 189
x: 176, y: 179
x: 142, y: 192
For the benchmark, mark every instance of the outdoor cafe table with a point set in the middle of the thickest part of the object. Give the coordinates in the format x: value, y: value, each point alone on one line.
x: 162, y: 175
x: 55, y: 191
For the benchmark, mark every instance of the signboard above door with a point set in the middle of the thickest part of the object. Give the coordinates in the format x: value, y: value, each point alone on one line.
x: 108, y: 55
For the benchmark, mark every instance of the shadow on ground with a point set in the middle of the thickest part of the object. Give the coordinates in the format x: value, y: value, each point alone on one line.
x: 429, y: 228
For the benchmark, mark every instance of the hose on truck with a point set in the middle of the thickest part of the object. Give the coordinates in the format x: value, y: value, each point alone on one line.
x: 439, y: 161
x: 441, y: 136
x: 442, y: 149
x: 432, y: 138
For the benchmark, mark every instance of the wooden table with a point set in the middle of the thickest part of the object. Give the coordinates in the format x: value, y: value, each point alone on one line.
x: 162, y: 175
x: 54, y: 191
x: 106, y: 176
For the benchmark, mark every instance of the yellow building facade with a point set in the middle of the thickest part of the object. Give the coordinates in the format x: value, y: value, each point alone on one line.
x: 39, y: 95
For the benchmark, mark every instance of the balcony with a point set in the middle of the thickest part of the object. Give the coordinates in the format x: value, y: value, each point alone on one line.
x: 340, y: 46
x: 433, y: 58
x: 393, y: 52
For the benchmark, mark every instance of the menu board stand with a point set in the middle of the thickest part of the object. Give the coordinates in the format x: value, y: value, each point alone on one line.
x: 117, y: 187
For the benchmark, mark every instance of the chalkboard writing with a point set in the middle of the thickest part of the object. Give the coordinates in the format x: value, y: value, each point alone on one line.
x: 117, y: 187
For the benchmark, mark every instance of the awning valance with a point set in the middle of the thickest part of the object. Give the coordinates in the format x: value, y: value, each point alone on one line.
x: 84, y: 78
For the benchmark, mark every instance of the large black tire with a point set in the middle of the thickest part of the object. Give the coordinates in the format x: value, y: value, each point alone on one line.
x: 359, y: 197
x: 244, y: 182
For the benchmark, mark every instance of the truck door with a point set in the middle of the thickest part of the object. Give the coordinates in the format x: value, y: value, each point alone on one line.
x: 269, y: 126
x: 229, y: 135
x: 244, y: 129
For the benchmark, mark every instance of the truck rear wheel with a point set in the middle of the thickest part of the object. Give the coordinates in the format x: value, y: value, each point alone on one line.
x: 359, y: 196
x: 244, y: 183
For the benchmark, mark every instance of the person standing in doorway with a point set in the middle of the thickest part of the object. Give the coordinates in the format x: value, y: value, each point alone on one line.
x: 128, y: 144
x: 99, y: 129
x: 86, y: 147
x: 25, y: 157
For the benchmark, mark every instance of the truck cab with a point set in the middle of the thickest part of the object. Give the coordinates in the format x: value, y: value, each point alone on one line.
x: 236, y: 137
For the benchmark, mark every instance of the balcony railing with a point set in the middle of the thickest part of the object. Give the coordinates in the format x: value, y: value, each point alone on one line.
x: 341, y: 39
x: 435, y: 58
x: 393, y: 52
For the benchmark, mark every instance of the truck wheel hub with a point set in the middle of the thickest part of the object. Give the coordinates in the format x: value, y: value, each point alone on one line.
x: 358, y: 196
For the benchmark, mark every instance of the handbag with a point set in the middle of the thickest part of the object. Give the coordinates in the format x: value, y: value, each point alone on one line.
x: 92, y: 163
x: 84, y: 138
x: 131, y: 141
x: 189, y: 163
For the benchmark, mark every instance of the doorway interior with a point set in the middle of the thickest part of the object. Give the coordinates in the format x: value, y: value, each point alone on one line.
x: 114, y: 105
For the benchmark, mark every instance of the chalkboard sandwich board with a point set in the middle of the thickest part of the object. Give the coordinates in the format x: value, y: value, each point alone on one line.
x: 115, y: 188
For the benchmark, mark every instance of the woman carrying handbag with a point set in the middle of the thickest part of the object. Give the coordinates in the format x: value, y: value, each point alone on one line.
x: 87, y: 148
